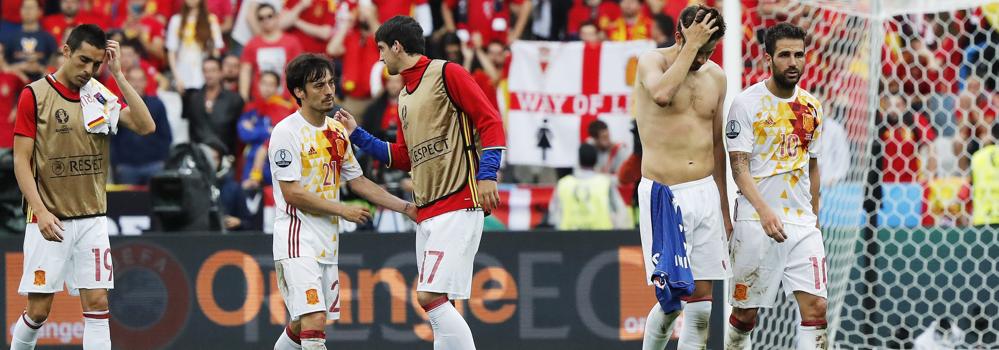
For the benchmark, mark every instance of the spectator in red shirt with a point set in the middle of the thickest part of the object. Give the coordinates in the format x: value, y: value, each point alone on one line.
x: 10, y: 11
x: 11, y: 82
x: 490, y: 18
x: 418, y: 9
x: 312, y: 21
x: 355, y: 46
x: 105, y: 12
x: 634, y: 23
x: 68, y: 17
x: 601, y: 13
x: 486, y: 63
x: 907, y: 137
x: 224, y: 10
x: 147, y: 29
x: 271, y: 50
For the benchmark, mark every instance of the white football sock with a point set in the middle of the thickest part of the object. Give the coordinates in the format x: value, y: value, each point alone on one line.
x: 288, y: 341
x: 96, y: 330
x: 737, y: 334
x: 812, y: 336
x: 451, y: 332
x: 313, y: 340
x: 658, y: 328
x: 696, y: 319
x: 25, y: 333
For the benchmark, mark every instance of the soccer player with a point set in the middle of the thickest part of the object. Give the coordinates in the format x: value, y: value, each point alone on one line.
x: 62, y: 169
x: 311, y: 157
x: 773, y: 142
x: 678, y: 103
x: 446, y: 120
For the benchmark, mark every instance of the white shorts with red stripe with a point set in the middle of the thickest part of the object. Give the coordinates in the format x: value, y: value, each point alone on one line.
x: 761, y: 265
x: 445, y: 252
x: 308, y: 286
x: 81, y: 261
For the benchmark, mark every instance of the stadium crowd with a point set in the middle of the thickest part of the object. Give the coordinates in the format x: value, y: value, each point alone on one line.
x: 211, y: 72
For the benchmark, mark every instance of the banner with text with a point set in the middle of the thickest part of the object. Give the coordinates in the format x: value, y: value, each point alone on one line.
x: 557, y: 88
x: 529, y: 291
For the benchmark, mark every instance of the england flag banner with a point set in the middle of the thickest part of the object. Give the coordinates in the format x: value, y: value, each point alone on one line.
x: 556, y: 89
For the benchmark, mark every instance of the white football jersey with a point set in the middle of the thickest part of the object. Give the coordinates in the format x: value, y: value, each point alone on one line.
x: 781, y: 135
x: 321, y: 160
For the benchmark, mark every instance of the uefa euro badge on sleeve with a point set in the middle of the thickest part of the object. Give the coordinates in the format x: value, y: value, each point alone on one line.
x: 100, y: 108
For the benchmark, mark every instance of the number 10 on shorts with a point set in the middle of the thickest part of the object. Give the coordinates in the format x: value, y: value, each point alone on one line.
x: 107, y: 263
x: 436, y: 253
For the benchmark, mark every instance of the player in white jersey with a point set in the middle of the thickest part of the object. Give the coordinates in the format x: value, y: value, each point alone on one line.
x: 311, y: 158
x: 773, y: 142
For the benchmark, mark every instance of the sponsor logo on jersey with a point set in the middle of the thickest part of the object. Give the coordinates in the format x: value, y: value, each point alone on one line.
x: 312, y: 151
x: 39, y: 277
x: 100, y: 98
x: 283, y: 158
x: 63, y: 118
x: 77, y: 165
x: 733, y: 129
x: 312, y: 296
x: 429, y: 149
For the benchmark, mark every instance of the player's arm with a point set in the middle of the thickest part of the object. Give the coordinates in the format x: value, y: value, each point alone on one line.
x: 662, y: 85
x: 135, y: 116
x: 523, y: 13
x: 473, y: 102
x: 24, y: 149
x: 741, y: 141
x: 395, y: 155
x: 380, y: 197
x: 815, y: 183
x: 720, y: 173
x: 309, y: 202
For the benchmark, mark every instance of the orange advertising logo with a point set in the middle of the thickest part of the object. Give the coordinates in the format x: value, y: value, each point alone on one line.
x: 39, y: 277
x: 741, y: 292
x: 636, y: 295
x: 312, y: 296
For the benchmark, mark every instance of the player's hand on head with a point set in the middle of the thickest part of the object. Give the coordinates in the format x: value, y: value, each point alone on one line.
x: 114, y: 57
x: 699, y: 32
x: 50, y: 226
x: 346, y: 119
x: 355, y: 213
x: 488, y: 194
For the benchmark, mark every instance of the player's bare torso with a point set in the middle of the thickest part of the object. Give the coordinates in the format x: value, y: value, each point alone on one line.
x: 678, y: 139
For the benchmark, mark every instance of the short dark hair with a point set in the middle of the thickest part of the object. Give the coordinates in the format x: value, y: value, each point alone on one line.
x: 995, y: 133
x: 696, y: 13
x: 265, y: 5
x: 136, y: 45
x: 595, y: 128
x: 666, y: 24
x: 304, y: 69
x: 780, y: 31
x: 587, y: 156
x: 211, y: 59
x: 277, y: 77
x: 406, y: 31
x: 87, y: 33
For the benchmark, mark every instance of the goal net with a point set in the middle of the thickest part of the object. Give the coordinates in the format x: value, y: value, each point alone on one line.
x: 909, y: 92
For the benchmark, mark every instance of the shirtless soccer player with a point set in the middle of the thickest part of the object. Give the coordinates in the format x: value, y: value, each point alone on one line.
x: 773, y: 142
x: 451, y: 142
x: 678, y: 105
x: 311, y: 158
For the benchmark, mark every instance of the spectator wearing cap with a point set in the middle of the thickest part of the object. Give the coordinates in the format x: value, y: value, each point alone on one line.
x: 494, y: 20
x: 354, y: 45
x: 137, y: 158
x: 29, y: 48
x: 271, y: 50
x: 192, y: 35
x: 634, y: 23
x: 213, y: 111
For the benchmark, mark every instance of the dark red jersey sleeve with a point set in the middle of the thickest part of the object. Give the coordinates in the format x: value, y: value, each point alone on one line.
x: 25, y: 123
